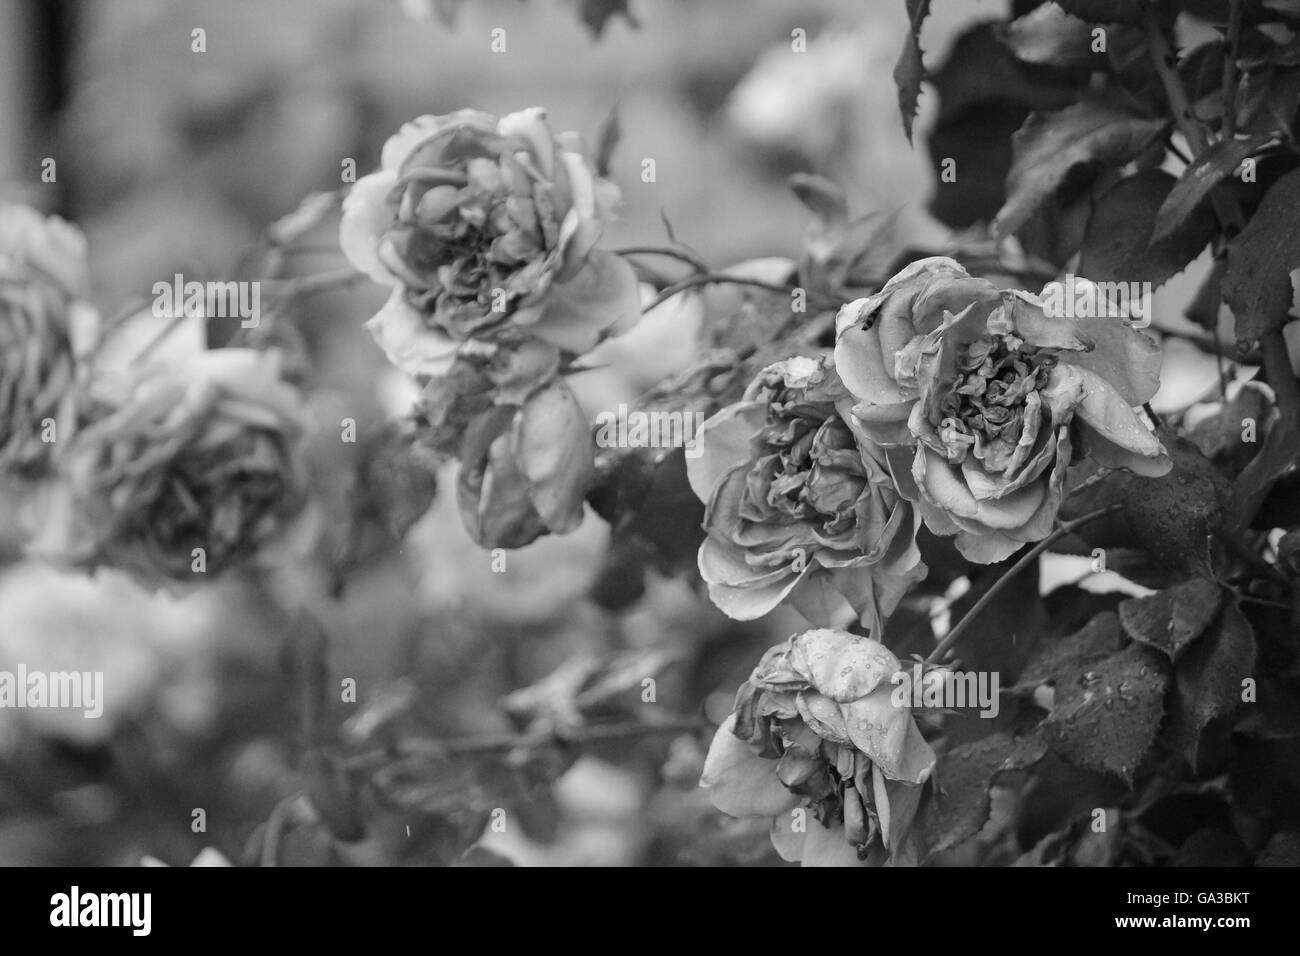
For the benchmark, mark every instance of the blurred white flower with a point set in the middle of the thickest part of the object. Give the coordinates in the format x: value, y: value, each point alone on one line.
x: 57, y: 621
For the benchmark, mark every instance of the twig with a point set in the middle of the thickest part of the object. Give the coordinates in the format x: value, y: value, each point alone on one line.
x: 1027, y: 559
x: 684, y: 255
x: 713, y: 278
x: 274, y: 832
x: 491, y: 743
x: 1233, y: 39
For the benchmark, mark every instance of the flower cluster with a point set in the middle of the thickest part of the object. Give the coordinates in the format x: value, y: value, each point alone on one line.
x: 163, y: 468
x: 818, y: 743
x: 946, y: 400
x: 485, y: 229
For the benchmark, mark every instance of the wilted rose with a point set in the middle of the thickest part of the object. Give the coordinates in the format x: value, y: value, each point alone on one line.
x: 198, y: 454
x: 486, y: 229
x: 818, y: 744
x: 525, y: 469
x: 799, y: 505
x: 45, y: 332
x: 983, y: 400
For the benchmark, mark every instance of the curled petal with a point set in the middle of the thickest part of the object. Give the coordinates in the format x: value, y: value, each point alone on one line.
x: 740, y: 782
x: 412, y: 346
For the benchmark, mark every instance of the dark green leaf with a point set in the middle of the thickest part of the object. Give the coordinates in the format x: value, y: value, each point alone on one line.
x: 1106, y: 712
x: 910, y: 69
x: 1174, y: 516
x: 1107, y: 704
x: 1257, y: 285
x: 1208, y: 679
x: 1220, y: 160
x: 1170, y: 620
x: 1050, y: 145
x: 958, y: 803
x: 1118, y: 246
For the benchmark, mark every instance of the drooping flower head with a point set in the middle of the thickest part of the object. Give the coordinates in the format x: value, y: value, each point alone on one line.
x: 818, y: 743
x: 799, y: 505
x: 983, y: 399
x: 486, y: 229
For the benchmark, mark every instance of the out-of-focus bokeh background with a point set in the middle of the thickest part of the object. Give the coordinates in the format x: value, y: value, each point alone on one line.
x: 176, y: 161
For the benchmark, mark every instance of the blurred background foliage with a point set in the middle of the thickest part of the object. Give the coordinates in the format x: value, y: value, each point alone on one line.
x: 228, y: 698
x: 177, y: 161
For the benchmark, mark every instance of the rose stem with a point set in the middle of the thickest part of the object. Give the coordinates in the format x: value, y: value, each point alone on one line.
x: 715, y: 279
x: 1027, y: 559
x: 699, y: 264
x: 487, y: 743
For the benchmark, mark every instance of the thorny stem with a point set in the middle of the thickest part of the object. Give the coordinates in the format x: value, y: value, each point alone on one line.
x: 491, y: 743
x: 1025, y: 561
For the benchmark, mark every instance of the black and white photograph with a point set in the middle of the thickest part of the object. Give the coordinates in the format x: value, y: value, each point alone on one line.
x: 582, y: 434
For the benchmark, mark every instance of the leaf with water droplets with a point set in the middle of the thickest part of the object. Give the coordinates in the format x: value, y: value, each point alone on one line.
x: 1170, y: 620
x: 1107, y: 704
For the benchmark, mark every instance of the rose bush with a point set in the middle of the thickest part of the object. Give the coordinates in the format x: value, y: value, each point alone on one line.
x: 486, y: 230
x: 983, y: 399
x: 798, y: 505
x: 46, y: 329
x: 815, y: 729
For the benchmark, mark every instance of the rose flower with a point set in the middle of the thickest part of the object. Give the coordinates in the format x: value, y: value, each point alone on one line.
x: 983, y: 400
x: 198, y: 454
x: 45, y: 332
x: 486, y: 229
x: 799, y: 505
x: 817, y: 743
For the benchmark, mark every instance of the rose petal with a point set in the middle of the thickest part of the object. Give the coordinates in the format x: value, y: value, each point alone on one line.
x: 367, y: 215
x: 788, y: 841
x: 740, y: 782
x: 416, y: 349
x: 827, y: 847
x: 602, y: 294
x: 554, y: 449
x: 724, y: 443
